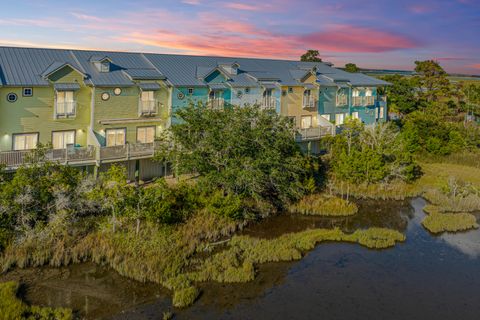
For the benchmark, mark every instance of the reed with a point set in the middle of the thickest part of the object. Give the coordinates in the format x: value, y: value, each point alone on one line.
x: 324, y: 205
x: 12, y: 308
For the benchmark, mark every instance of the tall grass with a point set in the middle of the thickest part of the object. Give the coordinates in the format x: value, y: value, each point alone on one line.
x: 320, y: 204
x: 437, y: 222
x: 12, y: 308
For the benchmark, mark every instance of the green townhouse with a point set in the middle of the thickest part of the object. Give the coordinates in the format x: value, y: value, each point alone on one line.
x: 95, y: 108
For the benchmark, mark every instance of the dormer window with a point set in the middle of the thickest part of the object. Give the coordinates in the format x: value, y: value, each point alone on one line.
x: 104, y: 66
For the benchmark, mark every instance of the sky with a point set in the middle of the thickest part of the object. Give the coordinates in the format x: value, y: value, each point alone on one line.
x: 384, y: 34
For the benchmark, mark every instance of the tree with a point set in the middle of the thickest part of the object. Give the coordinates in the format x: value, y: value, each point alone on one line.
x: 311, y: 56
x: 246, y: 152
x: 402, y: 94
x: 351, y: 67
x: 433, y: 81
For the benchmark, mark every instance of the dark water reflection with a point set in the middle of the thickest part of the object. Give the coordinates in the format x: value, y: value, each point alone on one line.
x: 426, y: 277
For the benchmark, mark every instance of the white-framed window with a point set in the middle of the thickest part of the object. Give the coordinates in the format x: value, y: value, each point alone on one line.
x: 60, y: 139
x: 65, y: 105
x: 326, y: 116
x: 306, y: 122
x: 355, y: 115
x: 368, y: 92
x: 105, y: 66
x: 290, y: 90
x: 25, y: 141
x: 381, y: 112
x: 339, y: 118
x: 190, y: 91
x: 148, y: 102
x: 27, y: 92
x: 145, y: 134
x: 376, y: 113
x: 115, y: 137
x: 342, y: 99
x: 356, y: 93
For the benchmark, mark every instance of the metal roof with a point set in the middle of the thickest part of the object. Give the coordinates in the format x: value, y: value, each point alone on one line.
x: 217, y: 86
x: 25, y: 66
x: 149, y: 86
x: 66, y: 86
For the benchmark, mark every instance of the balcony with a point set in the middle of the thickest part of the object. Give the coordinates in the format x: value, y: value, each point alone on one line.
x: 363, y: 101
x: 148, y: 108
x: 70, y: 155
x: 216, y: 103
x: 269, y: 103
x: 342, y: 100
x: 80, y: 155
x: 65, y: 110
x: 309, y: 103
x: 313, y: 133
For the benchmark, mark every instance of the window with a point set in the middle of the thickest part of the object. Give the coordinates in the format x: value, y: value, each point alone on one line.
x: 339, y: 117
x: 60, y: 139
x: 326, y: 116
x: 27, y: 92
x: 105, y: 96
x: 355, y: 115
x: 145, y: 134
x: 65, y: 104
x: 356, y: 93
x: 11, y: 97
x: 341, y: 99
x: 376, y: 113
x: 290, y: 90
x: 117, y: 91
x: 247, y: 90
x: 25, y: 141
x: 148, y: 103
x: 381, y: 113
x: 190, y: 91
x: 306, y: 122
x: 115, y: 137
x: 105, y: 66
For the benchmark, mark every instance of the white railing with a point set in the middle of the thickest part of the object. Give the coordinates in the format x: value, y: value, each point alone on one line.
x: 69, y: 155
x: 148, y: 107
x: 269, y: 103
x: 216, y: 103
x: 342, y: 100
x: 314, y: 133
x: 67, y: 109
x: 309, y: 103
x: 363, y: 101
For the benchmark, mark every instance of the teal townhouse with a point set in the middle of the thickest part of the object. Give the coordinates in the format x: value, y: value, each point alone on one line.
x: 95, y: 108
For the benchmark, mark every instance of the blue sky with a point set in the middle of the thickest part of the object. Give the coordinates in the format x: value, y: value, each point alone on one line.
x: 375, y: 34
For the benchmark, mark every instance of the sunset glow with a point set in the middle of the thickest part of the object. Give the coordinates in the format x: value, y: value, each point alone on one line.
x: 372, y: 34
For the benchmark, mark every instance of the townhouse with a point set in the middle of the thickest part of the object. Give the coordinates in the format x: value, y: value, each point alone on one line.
x: 94, y: 108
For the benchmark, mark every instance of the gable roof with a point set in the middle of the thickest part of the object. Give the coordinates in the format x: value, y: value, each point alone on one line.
x: 25, y: 66
x: 57, y: 66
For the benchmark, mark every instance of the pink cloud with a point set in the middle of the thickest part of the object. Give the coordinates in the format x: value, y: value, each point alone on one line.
x: 420, y: 9
x: 347, y: 38
x: 476, y: 66
x: 242, y: 6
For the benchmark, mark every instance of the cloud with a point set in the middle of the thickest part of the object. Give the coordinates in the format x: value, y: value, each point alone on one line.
x: 476, y: 66
x: 243, y: 6
x: 191, y: 2
x: 349, y: 38
x: 420, y: 9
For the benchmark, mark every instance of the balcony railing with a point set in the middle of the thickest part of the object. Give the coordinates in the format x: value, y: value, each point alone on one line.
x: 314, y: 133
x: 309, y: 103
x: 363, y: 101
x: 342, y: 100
x: 67, y: 109
x: 148, y: 108
x: 65, y: 156
x: 216, y: 103
x: 269, y: 103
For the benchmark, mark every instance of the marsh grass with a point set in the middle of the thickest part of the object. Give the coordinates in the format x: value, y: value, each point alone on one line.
x: 444, y: 202
x: 437, y: 222
x: 324, y: 205
x: 12, y: 308
x: 236, y: 263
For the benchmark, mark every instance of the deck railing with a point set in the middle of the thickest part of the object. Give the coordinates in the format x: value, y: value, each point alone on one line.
x: 269, y: 103
x: 216, y: 103
x: 363, y: 101
x: 67, y: 109
x: 314, y: 133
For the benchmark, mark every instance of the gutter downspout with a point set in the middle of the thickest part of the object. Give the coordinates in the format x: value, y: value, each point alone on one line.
x: 93, y: 139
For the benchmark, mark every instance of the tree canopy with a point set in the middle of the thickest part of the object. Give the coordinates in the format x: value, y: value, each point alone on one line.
x: 351, y: 67
x: 311, y: 56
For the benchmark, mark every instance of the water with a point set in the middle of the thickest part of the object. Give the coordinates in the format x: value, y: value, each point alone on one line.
x: 424, y: 278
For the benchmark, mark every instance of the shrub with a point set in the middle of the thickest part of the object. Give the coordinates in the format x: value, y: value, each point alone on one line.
x: 185, y: 297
